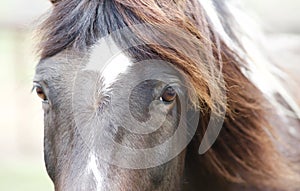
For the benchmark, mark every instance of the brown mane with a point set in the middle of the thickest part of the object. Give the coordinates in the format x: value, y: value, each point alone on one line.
x: 245, y: 151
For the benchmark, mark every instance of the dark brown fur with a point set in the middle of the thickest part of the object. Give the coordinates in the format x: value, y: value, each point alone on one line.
x: 245, y: 152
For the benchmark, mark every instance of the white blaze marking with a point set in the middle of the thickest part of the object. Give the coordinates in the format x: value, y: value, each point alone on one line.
x: 118, y: 65
x: 108, y: 59
x: 93, y: 168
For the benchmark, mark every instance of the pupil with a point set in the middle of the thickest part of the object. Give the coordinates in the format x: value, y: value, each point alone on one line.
x: 39, y: 91
x: 169, y: 94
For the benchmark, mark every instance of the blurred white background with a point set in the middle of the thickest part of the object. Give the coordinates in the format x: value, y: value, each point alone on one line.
x: 21, y: 128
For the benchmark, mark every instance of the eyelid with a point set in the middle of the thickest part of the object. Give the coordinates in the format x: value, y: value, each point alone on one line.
x: 39, y: 85
x: 174, y: 86
x: 36, y: 85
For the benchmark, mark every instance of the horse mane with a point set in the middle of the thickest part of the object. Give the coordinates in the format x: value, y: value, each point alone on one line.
x: 245, y: 151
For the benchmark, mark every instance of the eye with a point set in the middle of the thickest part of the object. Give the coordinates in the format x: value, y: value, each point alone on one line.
x: 40, y: 92
x: 169, y: 94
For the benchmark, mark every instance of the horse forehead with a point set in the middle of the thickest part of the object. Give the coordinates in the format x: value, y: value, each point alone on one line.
x: 62, y: 64
x: 112, y: 70
x: 104, y: 58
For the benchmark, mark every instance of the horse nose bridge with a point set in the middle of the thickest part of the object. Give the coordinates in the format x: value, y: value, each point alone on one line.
x: 89, y: 98
x: 98, y: 174
x: 106, y: 176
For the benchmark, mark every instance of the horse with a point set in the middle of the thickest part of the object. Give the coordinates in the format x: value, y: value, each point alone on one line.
x: 186, y: 98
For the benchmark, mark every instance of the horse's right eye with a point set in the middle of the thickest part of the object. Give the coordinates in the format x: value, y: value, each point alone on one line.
x: 40, y: 92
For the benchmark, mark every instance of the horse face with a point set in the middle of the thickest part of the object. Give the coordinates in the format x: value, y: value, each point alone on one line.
x: 113, y: 129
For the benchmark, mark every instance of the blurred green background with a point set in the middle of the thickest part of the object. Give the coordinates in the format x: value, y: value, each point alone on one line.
x: 21, y: 128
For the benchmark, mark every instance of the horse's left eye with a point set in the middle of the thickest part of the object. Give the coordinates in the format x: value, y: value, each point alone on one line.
x: 169, y: 94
